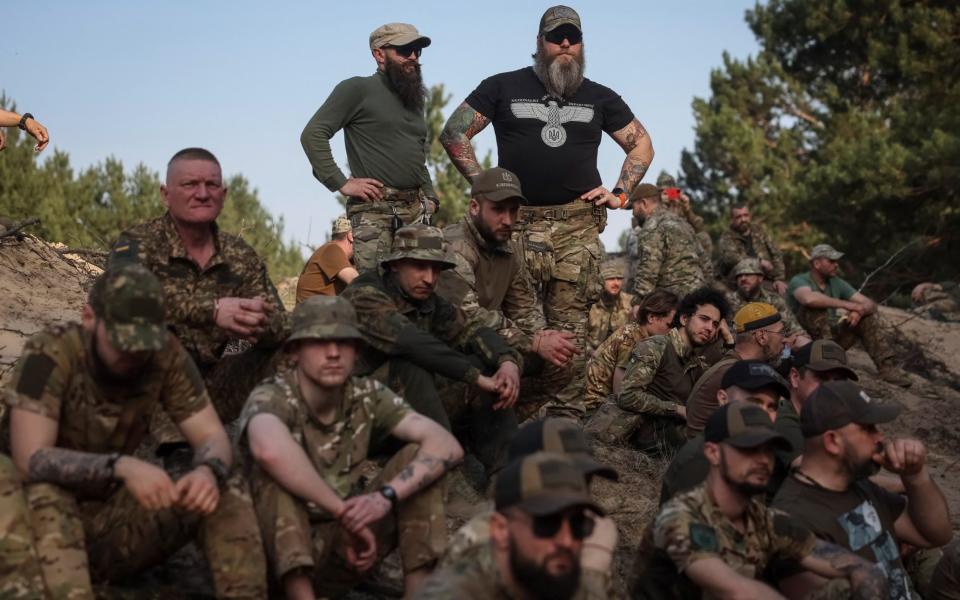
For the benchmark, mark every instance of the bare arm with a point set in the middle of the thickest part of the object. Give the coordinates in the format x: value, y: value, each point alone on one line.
x: 207, y: 437
x: 636, y: 143
x: 867, y: 306
x: 439, y: 452
x: 347, y: 275
x: 463, y: 124
x: 829, y: 560
x: 34, y: 128
x: 277, y: 453
x: 812, y: 299
x: 720, y: 581
x: 926, y: 520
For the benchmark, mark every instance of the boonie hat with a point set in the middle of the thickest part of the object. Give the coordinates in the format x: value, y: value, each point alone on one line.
x: 747, y: 266
x: 743, y: 425
x: 666, y: 180
x: 561, y: 436
x: 420, y: 242
x: 825, y: 251
x: 342, y: 225
x: 613, y: 269
x: 754, y: 375
x: 497, y: 184
x: 543, y: 483
x: 555, y: 16
x: 755, y: 315
x: 823, y: 355
x: 129, y: 299
x: 838, y: 403
x: 397, y: 34
x: 324, y: 318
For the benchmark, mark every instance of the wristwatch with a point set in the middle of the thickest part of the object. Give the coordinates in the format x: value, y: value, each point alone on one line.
x: 622, y: 195
x: 390, y: 494
x: 112, y: 463
x: 220, y: 470
x: 23, y: 121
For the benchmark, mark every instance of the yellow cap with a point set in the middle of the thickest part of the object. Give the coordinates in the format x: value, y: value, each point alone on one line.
x: 755, y: 315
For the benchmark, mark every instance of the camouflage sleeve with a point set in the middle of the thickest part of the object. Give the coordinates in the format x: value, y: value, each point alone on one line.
x: 268, y: 398
x: 596, y: 327
x: 683, y: 535
x: 520, y: 305
x: 485, y: 343
x: 649, y: 262
x: 644, y: 362
x: 257, y: 283
x: 706, y: 251
x: 184, y: 394
x: 789, y: 538
x: 39, y: 378
x: 728, y: 253
x: 779, y: 272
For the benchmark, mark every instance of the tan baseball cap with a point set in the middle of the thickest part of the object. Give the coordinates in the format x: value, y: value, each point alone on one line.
x: 397, y: 34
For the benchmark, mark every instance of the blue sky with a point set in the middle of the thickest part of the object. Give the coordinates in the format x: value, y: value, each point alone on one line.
x: 140, y: 80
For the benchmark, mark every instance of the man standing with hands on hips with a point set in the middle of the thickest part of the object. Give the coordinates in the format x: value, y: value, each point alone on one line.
x: 548, y: 121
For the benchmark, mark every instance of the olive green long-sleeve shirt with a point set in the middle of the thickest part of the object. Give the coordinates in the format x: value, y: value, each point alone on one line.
x: 384, y: 140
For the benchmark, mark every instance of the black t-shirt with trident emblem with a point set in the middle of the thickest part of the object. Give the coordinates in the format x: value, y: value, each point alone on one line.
x: 551, y: 144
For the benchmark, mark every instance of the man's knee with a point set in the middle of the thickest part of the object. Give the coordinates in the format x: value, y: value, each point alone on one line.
x: 60, y: 540
x: 233, y: 545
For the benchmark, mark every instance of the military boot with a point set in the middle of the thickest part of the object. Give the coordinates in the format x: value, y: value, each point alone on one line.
x: 892, y: 374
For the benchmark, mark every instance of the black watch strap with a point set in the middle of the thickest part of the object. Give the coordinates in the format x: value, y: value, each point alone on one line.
x: 390, y: 494
x: 23, y: 121
x: 112, y: 463
x: 220, y: 470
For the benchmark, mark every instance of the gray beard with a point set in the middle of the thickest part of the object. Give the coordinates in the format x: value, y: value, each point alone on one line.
x: 562, y: 80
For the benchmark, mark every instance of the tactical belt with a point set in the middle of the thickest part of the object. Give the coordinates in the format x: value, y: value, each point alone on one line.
x: 409, y: 195
x: 558, y: 212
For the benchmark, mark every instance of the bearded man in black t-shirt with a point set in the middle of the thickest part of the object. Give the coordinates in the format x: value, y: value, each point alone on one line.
x: 549, y: 121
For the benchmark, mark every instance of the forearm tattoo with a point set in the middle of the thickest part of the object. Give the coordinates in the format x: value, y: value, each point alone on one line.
x: 634, y: 166
x: 632, y: 173
x: 430, y: 469
x: 866, y: 579
x: 463, y: 124
x: 70, y: 468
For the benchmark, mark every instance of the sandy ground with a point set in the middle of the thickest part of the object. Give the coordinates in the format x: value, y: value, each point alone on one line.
x: 39, y: 287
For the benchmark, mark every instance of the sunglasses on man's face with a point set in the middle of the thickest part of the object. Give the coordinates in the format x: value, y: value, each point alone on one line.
x: 547, y: 526
x: 571, y: 34
x: 407, y: 50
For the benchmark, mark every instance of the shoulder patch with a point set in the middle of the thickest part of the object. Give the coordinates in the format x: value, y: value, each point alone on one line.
x: 34, y: 375
x: 703, y: 538
x: 125, y: 252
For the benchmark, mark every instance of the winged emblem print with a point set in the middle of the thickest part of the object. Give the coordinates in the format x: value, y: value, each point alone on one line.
x: 553, y: 134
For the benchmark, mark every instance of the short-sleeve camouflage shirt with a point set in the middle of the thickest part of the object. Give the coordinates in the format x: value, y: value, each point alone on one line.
x: 59, y: 377
x: 691, y: 527
x: 368, y: 412
x: 615, y: 350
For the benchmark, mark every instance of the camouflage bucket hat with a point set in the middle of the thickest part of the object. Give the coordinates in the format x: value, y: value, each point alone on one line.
x: 324, y: 318
x: 419, y: 242
x: 666, y: 180
x: 747, y: 266
x: 342, y: 225
x: 613, y: 269
x: 129, y: 299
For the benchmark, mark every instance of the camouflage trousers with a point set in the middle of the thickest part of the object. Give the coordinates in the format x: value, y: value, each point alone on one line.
x: 20, y: 575
x: 871, y: 331
x: 612, y: 424
x: 561, y: 248
x: 117, y: 538
x: 374, y: 223
x: 299, y: 536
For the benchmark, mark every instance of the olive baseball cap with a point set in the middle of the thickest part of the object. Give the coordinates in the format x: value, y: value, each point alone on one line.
x: 561, y: 436
x: 129, y: 299
x: 324, y: 318
x: 754, y: 375
x: 743, y: 425
x: 666, y: 180
x: 644, y: 190
x: 825, y: 251
x: 747, y: 266
x: 838, y: 403
x: 613, y: 269
x: 823, y: 355
x: 555, y: 16
x: 420, y: 242
x: 755, y: 315
x: 543, y: 483
x: 342, y: 225
x: 497, y: 184
x: 397, y: 34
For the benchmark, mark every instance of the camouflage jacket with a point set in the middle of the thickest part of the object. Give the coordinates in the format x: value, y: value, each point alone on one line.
x: 659, y: 375
x: 733, y: 247
x: 365, y: 418
x: 606, y: 316
x: 491, y: 284
x: 433, y: 334
x: 58, y: 377
x: 790, y: 324
x: 234, y: 270
x: 691, y: 527
x: 669, y: 256
x: 614, y: 351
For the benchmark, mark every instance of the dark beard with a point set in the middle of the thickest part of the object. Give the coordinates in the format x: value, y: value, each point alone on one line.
x: 538, y: 582
x: 561, y: 80
x: 745, y: 488
x: 485, y: 232
x: 408, y: 86
x: 859, y: 471
x: 103, y: 373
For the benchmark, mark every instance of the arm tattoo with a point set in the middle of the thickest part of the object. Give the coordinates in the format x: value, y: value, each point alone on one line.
x: 70, y: 468
x: 632, y: 173
x: 866, y: 579
x: 463, y: 124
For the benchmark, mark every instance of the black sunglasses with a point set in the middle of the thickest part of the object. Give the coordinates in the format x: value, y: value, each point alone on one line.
x: 547, y: 526
x: 571, y: 34
x: 408, y: 49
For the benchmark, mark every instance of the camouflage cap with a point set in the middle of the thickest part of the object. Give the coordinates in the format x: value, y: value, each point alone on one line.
x: 543, y: 483
x: 743, y: 425
x: 747, y: 266
x: 823, y: 355
x: 666, y: 180
x: 613, y: 269
x: 555, y: 16
x: 129, y: 299
x: 755, y: 315
x: 497, y: 184
x: 563, y: 436
x: 342, y: 225
x: 397, y: 34
x: 420, y: 242
x: 324, y: 318
x: 825, y: 251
